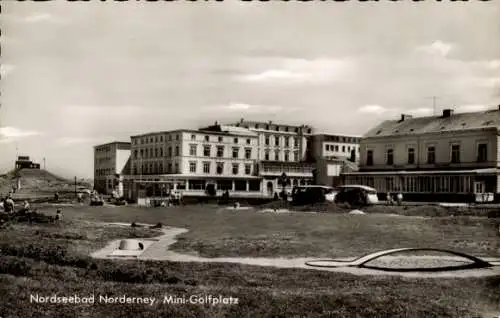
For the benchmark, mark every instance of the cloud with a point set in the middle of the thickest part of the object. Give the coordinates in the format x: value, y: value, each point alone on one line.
x: 5, y: 69
x: 12, y: 132
x: 438, y: 48
x: 38, y: 17
x: 472, y: 108
x: 423, y: 111
x: 248, y: 108
x: 78, y: 140
x: 372, y: 109
x: 289, y: 70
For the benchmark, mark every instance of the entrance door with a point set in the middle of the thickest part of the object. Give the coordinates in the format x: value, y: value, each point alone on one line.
x: 270, y: 190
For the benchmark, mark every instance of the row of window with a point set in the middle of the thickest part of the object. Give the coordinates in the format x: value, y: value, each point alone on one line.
x: 219, y: 168
x: 206, y: 168
x: 288, y: 141
x: 103, y: 172
x: 274, y: 127
x: 336, y: 148
x: 416, y: 184
x: 267, y: 156
x: 482, y: 155
x: 102, y: 160
x: 156, y: 139
x: 352, y: 140
x: 103, y: 149
x: 193, y: 151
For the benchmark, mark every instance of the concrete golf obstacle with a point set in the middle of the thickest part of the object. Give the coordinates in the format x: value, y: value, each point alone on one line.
x: 363, y: 261
x: 158, y: 249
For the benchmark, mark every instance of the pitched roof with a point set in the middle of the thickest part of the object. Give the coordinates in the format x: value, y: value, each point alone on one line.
x: 434, y: 124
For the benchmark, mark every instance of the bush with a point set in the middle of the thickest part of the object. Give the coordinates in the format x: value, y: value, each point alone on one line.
x: 15, y: 266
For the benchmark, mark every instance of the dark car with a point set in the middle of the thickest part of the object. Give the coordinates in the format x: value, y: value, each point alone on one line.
x: 356, y: 195
x: 312, y: 194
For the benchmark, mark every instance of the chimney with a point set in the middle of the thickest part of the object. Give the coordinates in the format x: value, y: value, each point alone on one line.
x: 216, y: 123
x: 405, y: 117
x: 447, y: 113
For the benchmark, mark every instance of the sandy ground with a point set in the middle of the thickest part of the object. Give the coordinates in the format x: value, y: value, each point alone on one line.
x: 159, y: 250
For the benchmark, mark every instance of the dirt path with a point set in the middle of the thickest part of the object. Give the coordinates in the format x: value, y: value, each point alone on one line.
x: 160, y: 251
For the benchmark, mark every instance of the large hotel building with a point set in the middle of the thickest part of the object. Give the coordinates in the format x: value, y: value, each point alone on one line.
x: 246, y: 157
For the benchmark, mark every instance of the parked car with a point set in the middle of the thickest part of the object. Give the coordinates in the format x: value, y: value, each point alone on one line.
x: 312, y: 194
x: 356, y: 195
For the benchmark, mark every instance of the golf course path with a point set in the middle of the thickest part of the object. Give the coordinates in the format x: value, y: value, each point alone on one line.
x: 159, y: 250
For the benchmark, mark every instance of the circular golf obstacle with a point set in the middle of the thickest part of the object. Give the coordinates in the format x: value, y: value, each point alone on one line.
x: 362, y: 262
x: 131, y: 245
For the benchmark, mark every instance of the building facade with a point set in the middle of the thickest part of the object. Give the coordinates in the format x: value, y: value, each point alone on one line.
x: 110, y: 165
x: 189, y: 160
x: 281, y: 149
x: 334, y: 154
x: 451, y: 156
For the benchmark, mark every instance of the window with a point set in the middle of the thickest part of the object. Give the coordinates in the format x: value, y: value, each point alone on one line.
x: 287, y: 156
x: 161, y: 138
x: 276, y: 140
x: 170, y: 137
x: 161, y: 152
x: 235, y: 140
x: 220, y: 167
x: 248, y: 169
x: 327, y: 147
x: 192, y: 150
x: 287, y: 141
x: 207, y: 138
x: 220, y: 151
x: 431, y: 155
x: 176, y: 137
x: 276, y: 155
x: 221, y: 139
x: 176, y: 167
x: 369, y: 158
x: 266, y: 155
x: 267, y: 141
x: 249, y: 141
x: 206, y: 150
x: 482, y: 152
x: 295, y: 142
x: 150, y: 152
x: 193, y: 137
x: 160, y: 168
x: 455, y: 153
x: 156, y: 138
x: 411, y: 156
x: 135, y: 153
x: 295, y: 156
x: 235, y: 168
x: 176, y: 150
x: 390, y: 157
x: 170, y: 151
x: 206, y: 167
x: 156, y: 152
x: 192, y: 166
x: 343, y: 148
x: 169, y: 168
x: 236, y: 152
x: 337, y: 148
x: 248, y: 153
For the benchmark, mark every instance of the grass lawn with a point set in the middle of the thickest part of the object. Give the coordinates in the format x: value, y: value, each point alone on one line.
x: 46, y: 259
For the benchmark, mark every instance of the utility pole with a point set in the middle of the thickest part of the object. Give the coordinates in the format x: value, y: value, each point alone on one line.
x: 44, y: 163
x: 434, y: 99
x: 75, y: 188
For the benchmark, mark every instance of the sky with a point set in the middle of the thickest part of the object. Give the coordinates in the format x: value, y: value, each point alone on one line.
x: 77, y: 74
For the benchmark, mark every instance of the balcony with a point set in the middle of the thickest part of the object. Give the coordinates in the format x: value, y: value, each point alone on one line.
x: 276, y: 168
